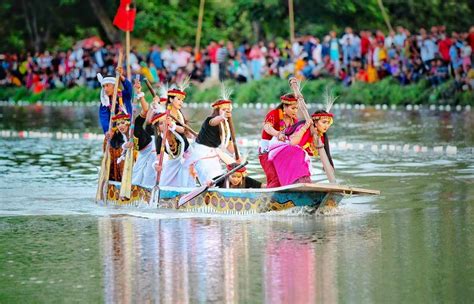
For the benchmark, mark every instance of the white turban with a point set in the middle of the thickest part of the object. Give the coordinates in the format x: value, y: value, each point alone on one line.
x: 104, y: 99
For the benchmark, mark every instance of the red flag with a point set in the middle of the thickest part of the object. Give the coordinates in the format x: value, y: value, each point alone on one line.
x: 125, y: 17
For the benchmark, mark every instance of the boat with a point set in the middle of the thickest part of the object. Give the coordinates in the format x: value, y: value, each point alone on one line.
x: 240, y: 201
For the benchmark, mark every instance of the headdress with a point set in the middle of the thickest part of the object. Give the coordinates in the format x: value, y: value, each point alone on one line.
x: 163, y: 93
x: 288, y: 99
x: 224, y: 97
x: 121, y: 116
x: 329, y: 99
x: 242, y: 170
x: 104, y: 99
x: 181, y: 87
x: 157, y: 117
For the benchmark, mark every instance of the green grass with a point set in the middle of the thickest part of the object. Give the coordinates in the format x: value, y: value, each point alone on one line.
x: 268, y: 90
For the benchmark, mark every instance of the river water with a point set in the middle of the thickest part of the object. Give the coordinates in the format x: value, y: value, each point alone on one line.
x: 414, y: 243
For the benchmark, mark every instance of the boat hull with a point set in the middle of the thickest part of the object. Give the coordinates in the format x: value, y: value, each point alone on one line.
x: 233, y: 201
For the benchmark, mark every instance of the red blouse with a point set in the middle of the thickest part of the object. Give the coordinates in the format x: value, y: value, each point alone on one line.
x: 275, y: 118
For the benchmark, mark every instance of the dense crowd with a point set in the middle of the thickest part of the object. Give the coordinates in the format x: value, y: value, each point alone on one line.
x: 366, y: 56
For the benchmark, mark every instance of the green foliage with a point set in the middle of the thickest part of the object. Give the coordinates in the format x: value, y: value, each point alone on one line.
x: 269, y: 90
x: 175, y: 21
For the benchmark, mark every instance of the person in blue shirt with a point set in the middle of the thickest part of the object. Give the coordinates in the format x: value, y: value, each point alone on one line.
x: 124, y: 98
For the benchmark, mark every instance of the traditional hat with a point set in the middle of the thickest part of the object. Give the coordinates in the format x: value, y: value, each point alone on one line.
x: 242, y: 170
x: 329, y: 100
x: 224, y: 97
x: 157, y: 117
x: 164, y: 93
x: 121, y: 116
x: 104, y: 99
x: 181, y: 87
x: 288, y: 99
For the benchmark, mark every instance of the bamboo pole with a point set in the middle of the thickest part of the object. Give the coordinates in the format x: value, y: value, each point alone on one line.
x: 292, y: 20
x: 384, y: 15
x: 127, y: 49
x: 199, y: 28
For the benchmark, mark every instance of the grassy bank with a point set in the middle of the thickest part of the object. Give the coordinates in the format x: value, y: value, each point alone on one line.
x: 268, y: 91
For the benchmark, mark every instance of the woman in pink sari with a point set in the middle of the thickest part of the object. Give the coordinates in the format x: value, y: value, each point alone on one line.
x: 291, y: 158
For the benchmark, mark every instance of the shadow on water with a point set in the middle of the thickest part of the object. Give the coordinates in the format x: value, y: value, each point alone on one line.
x: 412, y: 244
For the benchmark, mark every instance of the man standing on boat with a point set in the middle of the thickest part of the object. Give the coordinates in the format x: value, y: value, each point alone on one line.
x: 124, y: 98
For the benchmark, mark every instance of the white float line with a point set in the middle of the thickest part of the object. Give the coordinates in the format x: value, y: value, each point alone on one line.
x: 246, y: 143
x: 258, y: 105
x: 449, y: 149
x: 52, y: 135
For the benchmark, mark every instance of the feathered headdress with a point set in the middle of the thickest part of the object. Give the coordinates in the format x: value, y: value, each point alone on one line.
x: 329, y: 99
x: 163, y: 91
x: 181, y: 86
x: 224, y: 97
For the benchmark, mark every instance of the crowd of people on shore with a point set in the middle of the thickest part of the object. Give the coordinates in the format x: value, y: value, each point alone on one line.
x: 366, y: 56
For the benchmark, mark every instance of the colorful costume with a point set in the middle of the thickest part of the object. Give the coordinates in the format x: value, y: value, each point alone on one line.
x: 124, y: 100
x: 275, y: 118
x: 175, y: 171
x: 211, y: 143
x: 292, y: 163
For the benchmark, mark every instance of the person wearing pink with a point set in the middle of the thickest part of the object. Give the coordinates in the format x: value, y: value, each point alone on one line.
x: 276, y: 121
x: 291, y: 158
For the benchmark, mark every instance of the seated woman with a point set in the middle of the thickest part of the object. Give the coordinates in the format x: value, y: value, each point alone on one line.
x: 239, y: 179
x: 291, y: 159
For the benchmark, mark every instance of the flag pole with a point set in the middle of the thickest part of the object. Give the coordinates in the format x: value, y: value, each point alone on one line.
x: 127, y: 48
x: 199, y: 28
x: 292, y: 20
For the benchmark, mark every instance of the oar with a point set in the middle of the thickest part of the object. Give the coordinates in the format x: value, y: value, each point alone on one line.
x: 316, y: 140
x: 102, y: 186
x: 156, y: 188
x: 126, y: 184
x: 234, y: 141
x: 186, y: 198
x: 153, y: 93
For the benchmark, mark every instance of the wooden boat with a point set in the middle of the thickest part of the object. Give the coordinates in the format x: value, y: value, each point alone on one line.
x: 241, y: 201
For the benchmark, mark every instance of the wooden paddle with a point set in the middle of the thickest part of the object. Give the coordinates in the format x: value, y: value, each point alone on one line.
x: 186, y: 198
x: 316, y: 140
x: 153, y: 93
x: 234, y: 141
x: 126, y: 184
x: 102, y: 186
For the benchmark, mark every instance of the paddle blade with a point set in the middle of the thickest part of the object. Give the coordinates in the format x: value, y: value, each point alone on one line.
x: 103, y: 178
x: 126, y: 185
x: 155, y: 196
x: 186, y: 198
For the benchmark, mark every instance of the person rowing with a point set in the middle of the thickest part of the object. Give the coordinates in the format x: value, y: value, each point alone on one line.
x: 291, y: 158
x: 213, y: 142
x: 276, y: 121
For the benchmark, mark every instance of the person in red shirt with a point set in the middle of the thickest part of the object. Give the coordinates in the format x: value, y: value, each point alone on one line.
x: 276, y: 121
x: 443, y: 45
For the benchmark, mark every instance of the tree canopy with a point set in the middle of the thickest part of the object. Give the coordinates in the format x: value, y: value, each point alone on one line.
x: 56, y: 24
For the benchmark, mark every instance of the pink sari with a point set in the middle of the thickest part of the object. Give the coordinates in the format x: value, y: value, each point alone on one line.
x: 291, y: 162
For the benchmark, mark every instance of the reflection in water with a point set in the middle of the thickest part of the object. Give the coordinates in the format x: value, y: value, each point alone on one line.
x: 203, y: 260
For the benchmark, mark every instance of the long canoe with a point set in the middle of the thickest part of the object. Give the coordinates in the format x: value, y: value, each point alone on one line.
x: 241, y: 201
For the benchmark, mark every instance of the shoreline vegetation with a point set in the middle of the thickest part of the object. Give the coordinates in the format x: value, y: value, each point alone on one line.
x: 387, y: 91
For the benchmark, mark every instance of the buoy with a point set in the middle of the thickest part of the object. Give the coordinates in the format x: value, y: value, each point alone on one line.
x: 451, y: 150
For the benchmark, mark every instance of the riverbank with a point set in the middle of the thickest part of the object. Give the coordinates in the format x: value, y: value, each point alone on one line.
x: 268, y: 90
